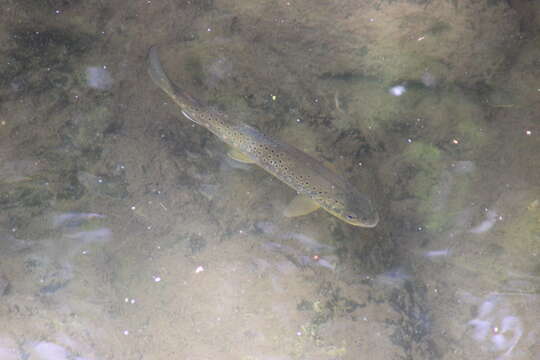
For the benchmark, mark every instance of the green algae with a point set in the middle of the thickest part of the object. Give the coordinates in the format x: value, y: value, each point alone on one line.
x: 522, y: 232
x: 441, y: 192
x: 472, y: 133
x: 24, y: 195
x: 88, y: 127
x: 426, y: 160
x: 447, y: 198
x: 423, y: 155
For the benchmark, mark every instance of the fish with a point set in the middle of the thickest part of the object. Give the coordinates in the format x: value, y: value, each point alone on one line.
x: 317, y: 186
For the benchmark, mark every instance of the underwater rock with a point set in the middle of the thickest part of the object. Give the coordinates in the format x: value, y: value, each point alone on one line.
x: 391, y: 40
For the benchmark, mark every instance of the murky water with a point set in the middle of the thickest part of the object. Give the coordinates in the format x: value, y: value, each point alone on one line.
x: 126, y: 232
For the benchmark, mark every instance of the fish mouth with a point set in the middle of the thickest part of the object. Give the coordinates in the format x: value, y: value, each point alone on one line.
x: 370, y: 224
x: 366, y: 222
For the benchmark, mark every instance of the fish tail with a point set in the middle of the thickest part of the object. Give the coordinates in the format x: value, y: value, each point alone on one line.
x: 160, y: 78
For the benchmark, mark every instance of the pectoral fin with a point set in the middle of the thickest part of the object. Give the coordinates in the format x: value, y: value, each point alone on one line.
x: 239, y: 156
x: 300, y: 205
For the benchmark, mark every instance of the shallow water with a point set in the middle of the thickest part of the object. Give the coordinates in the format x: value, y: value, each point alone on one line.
x: 127, y: 233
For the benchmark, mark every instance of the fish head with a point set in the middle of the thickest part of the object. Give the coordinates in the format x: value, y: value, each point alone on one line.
x: 356, y: 209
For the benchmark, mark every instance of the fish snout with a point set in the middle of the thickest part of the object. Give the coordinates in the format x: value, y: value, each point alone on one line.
x: 370, y: 222
x: 367, y: 221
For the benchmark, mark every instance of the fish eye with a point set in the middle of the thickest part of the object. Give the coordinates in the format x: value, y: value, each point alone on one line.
x: 352, y: 217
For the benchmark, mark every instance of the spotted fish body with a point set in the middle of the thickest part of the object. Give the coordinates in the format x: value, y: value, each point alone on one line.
x: 305, y: 174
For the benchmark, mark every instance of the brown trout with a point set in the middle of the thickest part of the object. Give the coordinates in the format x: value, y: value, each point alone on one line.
x: 316, y: 185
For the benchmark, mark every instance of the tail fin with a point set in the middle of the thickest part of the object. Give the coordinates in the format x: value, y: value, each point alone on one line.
x: 160, y: 78
x: 156, y: 72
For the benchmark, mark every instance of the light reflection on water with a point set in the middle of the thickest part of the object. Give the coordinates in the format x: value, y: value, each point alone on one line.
x: 501, y: 326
